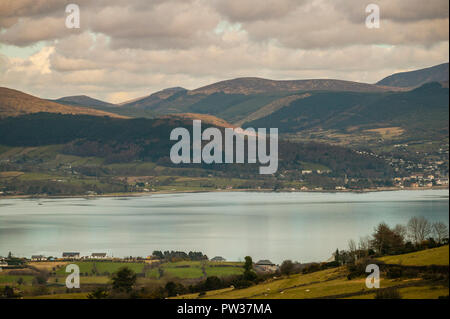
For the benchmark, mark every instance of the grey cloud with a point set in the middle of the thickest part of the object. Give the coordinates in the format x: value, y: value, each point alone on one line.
x: 166, y: 25
x: 401, y: 11
x: 331, y: 29
x: 139, y: 46
x: 183, y: 24
x: 251, y: 10
x: 30, y: 31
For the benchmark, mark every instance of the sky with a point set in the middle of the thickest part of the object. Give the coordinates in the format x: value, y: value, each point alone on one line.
x: 131, y: 48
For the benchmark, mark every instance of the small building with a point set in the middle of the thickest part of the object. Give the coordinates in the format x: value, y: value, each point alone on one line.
x: 218, y: 259
x: 265, y: 262
x: 265, y: 266
x: 71, y: 255
x: 98, y: 255
x: 38, y: 258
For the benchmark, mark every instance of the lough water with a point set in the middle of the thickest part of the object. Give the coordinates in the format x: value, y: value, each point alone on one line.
x: 277, y: 226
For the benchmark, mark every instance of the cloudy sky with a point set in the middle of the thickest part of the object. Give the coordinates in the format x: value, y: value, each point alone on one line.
x: 131, y: 48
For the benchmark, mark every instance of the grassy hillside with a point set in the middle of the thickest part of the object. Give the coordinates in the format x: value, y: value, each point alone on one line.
x: 435, y: 256
x: 333, y: 283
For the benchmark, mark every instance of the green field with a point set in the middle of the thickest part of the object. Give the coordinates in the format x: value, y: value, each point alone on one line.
x: 7, y: 279
x: 101, y: 267
x: 188, y: 273
x: 183, y: 269
x: 223, y: 271
x: 434, y: 256
x: 152, y: 273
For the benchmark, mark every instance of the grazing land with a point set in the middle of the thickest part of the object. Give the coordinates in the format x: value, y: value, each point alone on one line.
x: 333, y: 283
x: 437, y: 256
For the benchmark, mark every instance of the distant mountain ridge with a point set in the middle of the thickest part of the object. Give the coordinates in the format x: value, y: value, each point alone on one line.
x: 253, y: 85
x: 235, y: 100
x: 83, y: 100
x: 165, y: 93
x: 247, y: 99
x: 292, y: 105
x: 437, y: 73
x: 155, y: 98
x: 16, y: 103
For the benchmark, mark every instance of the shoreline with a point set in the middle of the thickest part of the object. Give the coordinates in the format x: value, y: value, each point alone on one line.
x: 142, y: 194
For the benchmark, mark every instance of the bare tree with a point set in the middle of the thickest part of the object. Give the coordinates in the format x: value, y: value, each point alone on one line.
x: 419, y: 229
x: 440, y: 231
x: 401, y: 231
x: 364, y: 243
x: 352, y: 248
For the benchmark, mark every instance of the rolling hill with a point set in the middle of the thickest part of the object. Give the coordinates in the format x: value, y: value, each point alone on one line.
x: 258, y: 85
x: 83, y: 100
x: 421, y: 111
x: 16, y: 103
x: 249, y: 99
x: 234, y: 100
x: 297, y: 106
x: 437, y: 73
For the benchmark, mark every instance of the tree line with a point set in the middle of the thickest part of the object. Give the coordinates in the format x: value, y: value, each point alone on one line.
x: 419, y: 233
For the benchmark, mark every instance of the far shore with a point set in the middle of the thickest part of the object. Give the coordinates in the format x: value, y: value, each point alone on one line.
x: 141, y: 194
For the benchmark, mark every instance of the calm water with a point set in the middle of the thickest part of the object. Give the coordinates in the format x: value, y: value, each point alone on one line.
x: 277, y: 226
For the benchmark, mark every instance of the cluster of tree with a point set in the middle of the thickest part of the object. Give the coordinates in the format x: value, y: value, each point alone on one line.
x: 179, y: 255
x: 417, y: 234
x: 14, y: 261
x: 122, y: 286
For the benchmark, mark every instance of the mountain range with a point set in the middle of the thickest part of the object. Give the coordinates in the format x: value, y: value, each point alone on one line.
x: 411, y: 102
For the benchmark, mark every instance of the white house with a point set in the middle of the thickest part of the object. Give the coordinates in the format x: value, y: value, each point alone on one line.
x: 71, y: 255
x: 98, y: 256
x: 38, y: 258
x: 265, y: 266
